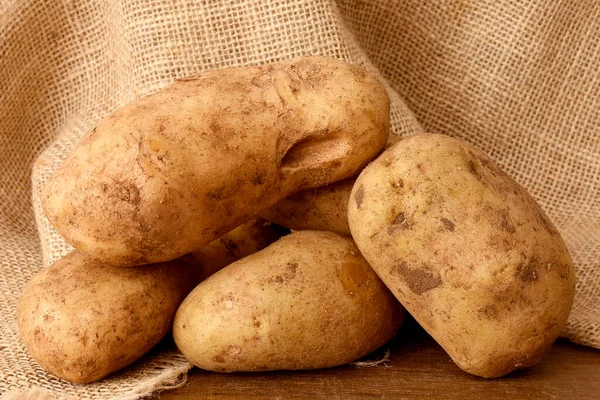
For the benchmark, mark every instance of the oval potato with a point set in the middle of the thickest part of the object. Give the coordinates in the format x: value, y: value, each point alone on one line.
x: 323, y: 209
x: 81, y: 319
x: 308, y: 301
x: 466, y: 250
x: 238, y: 243
x: 170, y: 172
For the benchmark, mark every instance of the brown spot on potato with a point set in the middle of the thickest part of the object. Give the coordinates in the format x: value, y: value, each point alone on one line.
x: 219, y: 358
x: 400, y: 219
x: 128, y: 192
x: 488, y: 312
x: 230, y: 246
x: 291, y: 269
x: 259, y: 178
x: 215, y: 127
x: 276, y: 279
x: 526, y: 272
x: 499, y: 242
x: 288, y: 274
x: 419, y: 280
x: 473, y: 169
x: 398, y: 183
x: 505, y: 223
x: 399, y: 222
x: 359, y: 196
x: 448, y: 225
x: 215, y: 194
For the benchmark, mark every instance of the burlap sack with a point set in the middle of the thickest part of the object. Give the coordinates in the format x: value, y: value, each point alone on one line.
x: 518, y: 79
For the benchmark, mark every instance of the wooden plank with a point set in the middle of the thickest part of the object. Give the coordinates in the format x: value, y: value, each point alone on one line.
x: 418, y: 369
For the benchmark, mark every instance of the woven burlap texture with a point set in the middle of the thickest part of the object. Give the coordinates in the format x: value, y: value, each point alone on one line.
x: 518, y: 79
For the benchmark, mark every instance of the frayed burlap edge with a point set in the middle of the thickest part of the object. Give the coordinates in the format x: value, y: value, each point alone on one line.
x: 171, y: 378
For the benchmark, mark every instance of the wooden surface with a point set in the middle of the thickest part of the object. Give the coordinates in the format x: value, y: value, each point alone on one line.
x: 418, y: 369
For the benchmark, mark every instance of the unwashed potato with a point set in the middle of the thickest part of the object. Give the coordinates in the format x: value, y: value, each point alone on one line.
x: 81, y: 319
x: 310, y: 300
x: 323, y: 209
x: 238, y: 243
x: 173, y: 171
x: 466, y: 250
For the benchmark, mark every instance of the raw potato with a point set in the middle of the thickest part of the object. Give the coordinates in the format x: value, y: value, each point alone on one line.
x: 240, y: 242
x: 324, y: 208
x: 173, y: 171
x: 466, y: 250
x: 310, y: 300
x: 81, y: 319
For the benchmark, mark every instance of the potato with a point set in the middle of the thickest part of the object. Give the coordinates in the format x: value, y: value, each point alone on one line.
x: 173, y: 171
x: 466, y: 250
x: 82, y: 319
x: 324, y: 208
x: 308, y: 301
x: 240, y: 242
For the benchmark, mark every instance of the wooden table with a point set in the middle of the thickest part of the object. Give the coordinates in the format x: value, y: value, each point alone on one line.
x: 417, y: 369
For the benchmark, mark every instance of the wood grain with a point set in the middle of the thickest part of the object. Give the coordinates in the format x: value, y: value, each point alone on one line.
x: 418, y: 369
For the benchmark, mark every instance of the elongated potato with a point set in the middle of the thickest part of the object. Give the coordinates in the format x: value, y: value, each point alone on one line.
x: 173, y: 171
x: 238, y: 243
x: 82, y: 319
x: 308, y: 301
x: 466, y: 250
x: 323, y: 209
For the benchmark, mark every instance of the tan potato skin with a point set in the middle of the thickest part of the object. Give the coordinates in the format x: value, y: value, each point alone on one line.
x: 173, y: 171
x: 466, y: 250
x: 238, y: 243
x: 82, y: 319
x: 308, y: 301
x: 323, y: 209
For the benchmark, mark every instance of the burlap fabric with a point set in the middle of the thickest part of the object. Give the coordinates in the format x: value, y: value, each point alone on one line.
x: 518, y: 79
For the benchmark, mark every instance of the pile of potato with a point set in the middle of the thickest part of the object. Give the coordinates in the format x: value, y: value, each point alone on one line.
x: 161, y: 201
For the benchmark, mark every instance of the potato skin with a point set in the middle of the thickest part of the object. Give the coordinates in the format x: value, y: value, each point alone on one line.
x: 81, y: 319
x: 308, y: 301
x: 466, y: 250
x: 238, y: 243
x: 323, y: 208
x: 173, y: 171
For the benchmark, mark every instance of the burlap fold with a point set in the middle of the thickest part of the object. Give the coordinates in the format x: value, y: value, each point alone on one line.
x: 518, y: 79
